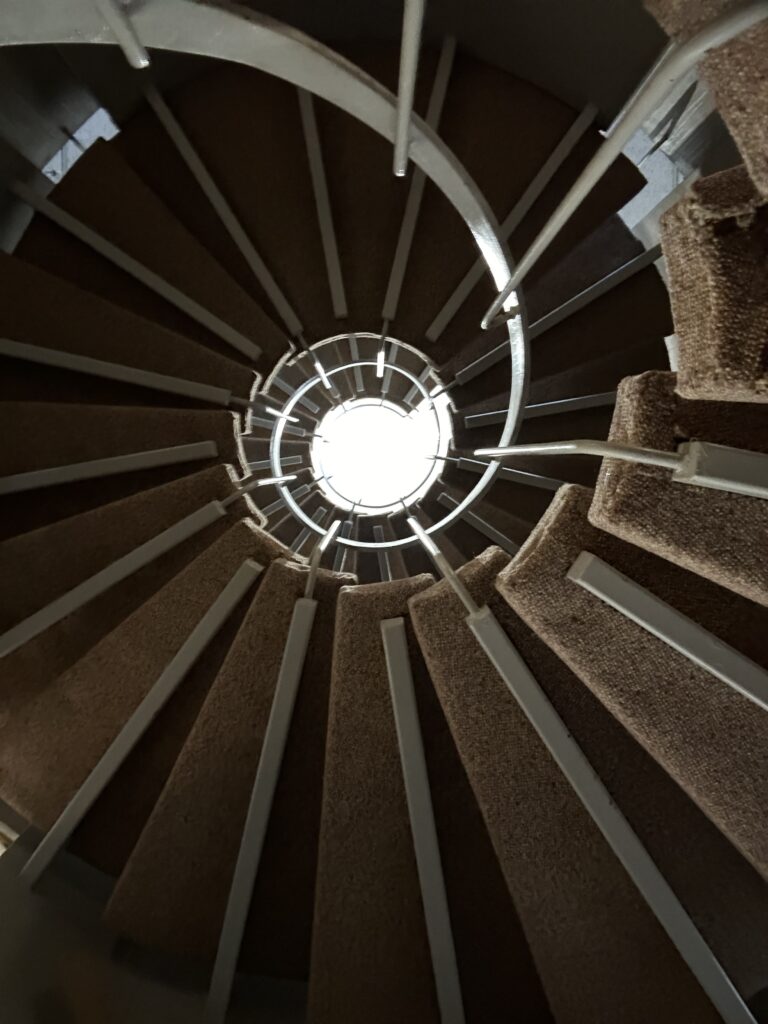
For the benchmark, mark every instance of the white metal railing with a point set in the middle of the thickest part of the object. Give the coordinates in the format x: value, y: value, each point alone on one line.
x: 413, y: 19
x: 695, y: 462
x: 676, y: 63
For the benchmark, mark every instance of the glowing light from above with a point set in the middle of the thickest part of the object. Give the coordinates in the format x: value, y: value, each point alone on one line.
x: 380, y: 363
x: 374, y: 456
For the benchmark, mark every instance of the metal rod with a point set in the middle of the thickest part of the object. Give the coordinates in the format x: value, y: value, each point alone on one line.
x: 601, y: 806
x: 101, y: 581
x: 608, y: 449
x: 115, y: 371
x: 675, y: 629
x: 443, y: 565
x: 97, y: 468
x: 130, y: 734
x: 137, y: 270
x: 224, y: 211
x: 553, y: 408
x: 323, y: 204
x: 317, y: 556
x: 385, y: 569
x: 116, y: 17
x: 259, y: 809
x: 490, y: 532
x: 540, y: 181
x: 418, y: 181
x: 422, y: 820
x: 413, y: 18
x: 515, y: 476
x: 647, y: 98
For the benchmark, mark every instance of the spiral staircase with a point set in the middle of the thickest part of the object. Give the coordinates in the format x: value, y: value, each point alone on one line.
x: 489, y: 748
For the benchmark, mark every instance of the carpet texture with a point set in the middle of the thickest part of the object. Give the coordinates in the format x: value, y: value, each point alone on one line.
x: 173, y: 892
x: 569, y: 890
x: 737, y: 73
x: 716, y: 246
x: 713, y: 533
x: 648, y: 686
x: 370, y: 957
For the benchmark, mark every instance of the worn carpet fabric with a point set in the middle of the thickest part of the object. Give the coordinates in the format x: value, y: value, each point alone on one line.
x: 713, y: 533
x: 569, y: 890
x: 737, y: 73
x: 370, y: 957
x: 107, y: 195
x: 86, y: 544
x: 52, y: 741
x: 716, y: 246
x: 685, y: 717
x: 173, y: 892
x: 44, y: 309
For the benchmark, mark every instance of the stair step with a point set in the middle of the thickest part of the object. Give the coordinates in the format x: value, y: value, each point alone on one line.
x: 84, y: 544
x: 39, y: 308
x: 225, y: 114
x: 686, y: 718
x: 582, y: 916
x: 370, y: 956
x: 174, y: 889
x: 50, y: 434
x: 104, y: 193
x: 713, y: 533
x: 72, y: 721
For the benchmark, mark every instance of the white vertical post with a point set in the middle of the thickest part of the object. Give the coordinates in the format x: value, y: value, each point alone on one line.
x: 413, y: 18
x: 422, y: 819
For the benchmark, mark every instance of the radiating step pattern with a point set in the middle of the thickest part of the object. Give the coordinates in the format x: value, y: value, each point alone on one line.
x: 685, y: 717
x: 583, y: 918
x: 173, y: 891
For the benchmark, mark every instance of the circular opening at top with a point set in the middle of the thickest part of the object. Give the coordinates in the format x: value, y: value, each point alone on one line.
x: 375, y: 456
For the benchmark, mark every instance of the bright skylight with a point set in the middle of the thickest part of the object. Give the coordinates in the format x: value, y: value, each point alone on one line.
x: 372, y: 454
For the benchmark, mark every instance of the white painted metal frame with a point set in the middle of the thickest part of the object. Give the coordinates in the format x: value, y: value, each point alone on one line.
x: 418, y: 181
x: 116, y: 17
x: 139, y: 721
x: 677, y: 62
x: 119, y: 570
x: 151, y: 459
x: 223, y: 209
x: 260, y: 806
x: 135, y: 269
x: 603, y: 810
x: 515, y: 216
x: 422, y: 819
x: 696, y: 462
x: 413, y: 20
x: 115, y: 371
x: 323, y: 204
x: 672, y: 627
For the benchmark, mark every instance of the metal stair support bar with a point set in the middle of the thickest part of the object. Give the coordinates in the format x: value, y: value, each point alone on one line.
x: 489, y: 532
x: 96, y: 468
x: 422, y: 821
x: 116, y: 371
x: 516, y: 215
x: 515, y: 476
x: 562, y: 312
x: 670, y: 626
x: 413, y: 19
x: 137, y: 270
x: 553, y: 408
x: 140, y: 720
x: 652, y: 91
x: 224, y: 211
x: 695, y: 462
x: 260, y: 806
x: 116, y: 17
x: 323, y: 203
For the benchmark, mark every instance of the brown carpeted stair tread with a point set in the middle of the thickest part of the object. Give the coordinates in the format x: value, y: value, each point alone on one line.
x: 717, y: 534
x: 40, y: 308
x: 246, y: 128
x: 173, y: 892
x: 105, y: 193
x: 682, y: 715
x: 583, y: 918
x: 716, y: 247
x: 55, y: 738
x: 370, y: 957
x: 735, y: 72
x: 111, y: 531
